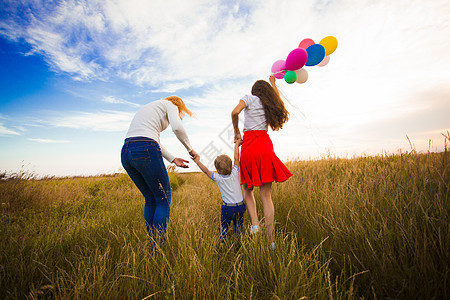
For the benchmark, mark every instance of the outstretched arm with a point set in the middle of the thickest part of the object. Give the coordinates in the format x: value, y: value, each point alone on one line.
x: 177, y: 127
x: 235, y: 119
x: 274, y: 86
x: 236, y: 154
x: 202, y: 167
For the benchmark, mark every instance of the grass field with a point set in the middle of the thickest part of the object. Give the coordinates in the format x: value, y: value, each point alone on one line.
x: 368, y: 227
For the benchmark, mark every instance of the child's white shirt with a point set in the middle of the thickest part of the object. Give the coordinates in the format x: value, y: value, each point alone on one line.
x: 229, y: 186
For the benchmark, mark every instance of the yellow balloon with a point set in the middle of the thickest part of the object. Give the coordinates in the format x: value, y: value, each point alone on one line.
x: 330, y: 44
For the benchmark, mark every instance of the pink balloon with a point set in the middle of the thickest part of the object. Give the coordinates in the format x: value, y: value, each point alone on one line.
x: 325, y: 61
x: 279, y: 69
x: 296, y: 59
x: 306, y: 43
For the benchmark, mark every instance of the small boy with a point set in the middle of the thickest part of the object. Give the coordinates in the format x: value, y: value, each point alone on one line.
x: 227, y: 178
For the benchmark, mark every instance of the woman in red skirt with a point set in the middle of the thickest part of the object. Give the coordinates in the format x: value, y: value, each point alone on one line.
x: 259, y: 164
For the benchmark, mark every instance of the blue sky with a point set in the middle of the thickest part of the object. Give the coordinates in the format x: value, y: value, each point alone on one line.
x: 73, y: 73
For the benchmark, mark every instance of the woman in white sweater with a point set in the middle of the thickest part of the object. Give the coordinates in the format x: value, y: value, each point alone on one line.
x: 142, y: 157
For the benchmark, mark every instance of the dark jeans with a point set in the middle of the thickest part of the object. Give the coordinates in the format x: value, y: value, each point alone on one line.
x: 231, y: 213
x: 143, y: 161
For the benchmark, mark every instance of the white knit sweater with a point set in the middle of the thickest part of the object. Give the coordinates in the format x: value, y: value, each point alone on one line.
x: 155, y: 117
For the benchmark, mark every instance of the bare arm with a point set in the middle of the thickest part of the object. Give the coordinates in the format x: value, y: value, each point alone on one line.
x: 274, y: 86
x: 235, y: 119
x: 236, y: 154
x: 203, y: 167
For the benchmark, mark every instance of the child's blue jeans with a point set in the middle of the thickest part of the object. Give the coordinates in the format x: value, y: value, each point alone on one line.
x: 143, y: 161
x: 232, y: 213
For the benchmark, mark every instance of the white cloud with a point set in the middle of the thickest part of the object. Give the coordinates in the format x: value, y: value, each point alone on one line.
x: 101, y: 121
x: 49, y: 141
x: 4, y: 131
x: 175, y: 45
x: 211, y: 52
x: 113, y: 100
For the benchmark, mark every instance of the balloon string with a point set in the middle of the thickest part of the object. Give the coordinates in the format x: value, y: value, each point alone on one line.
x: 279, y: 72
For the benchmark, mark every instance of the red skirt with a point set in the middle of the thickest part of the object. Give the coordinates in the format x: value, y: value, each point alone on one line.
x: 259, y: 163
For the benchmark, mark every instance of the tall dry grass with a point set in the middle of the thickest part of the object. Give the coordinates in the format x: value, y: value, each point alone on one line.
x: 375, y: 227
x: 385, y: 218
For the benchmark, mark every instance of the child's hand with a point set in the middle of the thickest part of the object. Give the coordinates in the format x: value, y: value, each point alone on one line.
x: 194, y: 155
x: 238, y: 139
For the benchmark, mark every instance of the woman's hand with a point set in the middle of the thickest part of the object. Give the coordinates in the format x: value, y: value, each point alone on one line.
x: 272, y: 79
x: 180, y: 162
x: 238, y: 138
x: 274, y: 86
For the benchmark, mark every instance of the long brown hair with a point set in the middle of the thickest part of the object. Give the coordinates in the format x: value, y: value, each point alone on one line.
x: 178, y: 102
x: 274, y: 110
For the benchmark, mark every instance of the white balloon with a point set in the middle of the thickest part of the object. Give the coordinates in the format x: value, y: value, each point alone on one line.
x: 324, y: 61
x: 302, y: 75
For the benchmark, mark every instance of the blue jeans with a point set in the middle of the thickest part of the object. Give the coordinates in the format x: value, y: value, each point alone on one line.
x: 143, y: 161
x: 231, y: 213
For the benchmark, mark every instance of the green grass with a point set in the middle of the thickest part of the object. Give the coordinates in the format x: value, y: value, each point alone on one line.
x: 375, y: 227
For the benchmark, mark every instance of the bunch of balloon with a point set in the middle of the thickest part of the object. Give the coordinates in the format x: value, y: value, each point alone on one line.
x: 308, y: 54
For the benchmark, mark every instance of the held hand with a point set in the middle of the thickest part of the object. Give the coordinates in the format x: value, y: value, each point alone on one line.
x: 194, y: 155
x: 238, y: 139
x: 196, y: 159
x: 181, y: 162
x: 272, y: 79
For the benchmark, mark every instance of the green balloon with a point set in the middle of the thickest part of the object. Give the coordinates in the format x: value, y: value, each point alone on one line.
x: 290, y: 76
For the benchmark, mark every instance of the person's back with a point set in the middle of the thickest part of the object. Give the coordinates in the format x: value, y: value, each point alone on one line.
x: 142, y: 158
x: 259, y: 165
x: 227, y: 179
x: 155, y: 117
x: 151, y: 119
x: 254, y: 115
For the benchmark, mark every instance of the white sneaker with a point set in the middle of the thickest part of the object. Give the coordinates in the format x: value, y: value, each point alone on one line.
x: 254, y: 229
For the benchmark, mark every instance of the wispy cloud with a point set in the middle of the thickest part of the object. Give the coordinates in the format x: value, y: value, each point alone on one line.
x: 49, y: 141
x: 108, y: 121
x: 113, y: 100
x: 210, y: 52
x: 173, y: 45
x: 156, y: 43
x: 4, y: 131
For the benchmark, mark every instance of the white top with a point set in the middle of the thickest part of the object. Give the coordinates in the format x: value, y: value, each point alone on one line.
x: 229, y: 185
x: 153, y: 118
x: 254, y: 116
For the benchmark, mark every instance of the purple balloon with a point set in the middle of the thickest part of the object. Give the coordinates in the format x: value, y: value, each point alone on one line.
x: 296, y: 59
x: 316, y: 53
x: 279, y: 69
